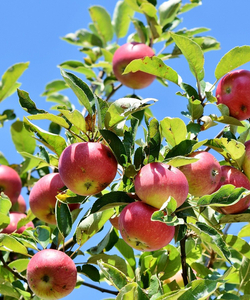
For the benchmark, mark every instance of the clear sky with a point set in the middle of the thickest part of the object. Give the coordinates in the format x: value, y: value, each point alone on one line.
x: 31, y: 31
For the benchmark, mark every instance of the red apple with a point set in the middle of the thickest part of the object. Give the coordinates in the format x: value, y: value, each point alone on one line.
x: 10, y: 183
x: 42, y: 198
x: 140, y: 232
x: 123, y: 56
x: 246, y: 161
x: 20, y: 205
x: 233, y: 90
x: 51, y: 274
x: 15, y: 217
x: 156, y: 182
x: 203, y: 175
x: 231, y: 175
x: 87, y: 168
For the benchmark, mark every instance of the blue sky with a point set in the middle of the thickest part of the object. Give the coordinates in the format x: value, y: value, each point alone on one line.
x: 31, y: 31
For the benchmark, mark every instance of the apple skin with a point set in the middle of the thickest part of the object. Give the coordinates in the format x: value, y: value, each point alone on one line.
x: 20, y: 205
x: 10, y: 183
x: 246, y: 161
x: 42, y: 199
x: 51, y: 274
x: 87, y: 168
x: 156, y: 181
x: 203, y: 175
x: 233, y: 90
x: 123, y: 56
x: 139, y: 231
x: 231, y: 175
x: 15, y: 217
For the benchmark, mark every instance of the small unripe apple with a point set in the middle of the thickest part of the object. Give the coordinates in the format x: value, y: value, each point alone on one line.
x: 51, y: 274
x: 87, y: 168
x: 123, y: 56
x: 42, y: 197
x: 203, y: 175
x: 156, y: 182
x: 15, y: 217
x: 233, y: 90
x: 10, y: 183
x: 231, y: 175
x: 139, y: 231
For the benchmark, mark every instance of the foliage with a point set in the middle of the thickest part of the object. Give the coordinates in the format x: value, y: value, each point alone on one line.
x: 214, y: 264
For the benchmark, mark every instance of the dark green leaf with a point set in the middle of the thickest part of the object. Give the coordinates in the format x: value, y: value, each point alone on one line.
x: 89, y: 271
x: 27, y: 104
x: 63, y: 218
x: 110, y: 200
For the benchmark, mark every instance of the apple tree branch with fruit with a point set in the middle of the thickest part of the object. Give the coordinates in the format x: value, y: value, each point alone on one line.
x: 167, y: 196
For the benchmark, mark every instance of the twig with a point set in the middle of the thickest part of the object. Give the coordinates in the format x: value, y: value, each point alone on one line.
x: 99, y: 288
x: 183, y: 260
x: 113, y: 92
x: 15, y: 273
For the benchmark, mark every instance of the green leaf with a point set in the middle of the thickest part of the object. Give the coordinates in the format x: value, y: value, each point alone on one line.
x: 54, y: 86
x: 43, y: 235
x: 141, y: 30
x: 113, y: 274
x: 7, y: 289
x: 226, y: 195
x: 60, y: 99
x: 127, y: 252
x: 122, y: 16
x: 89, y: 271
x: 200, y: 289
x: 8, y: 84
x: 211, y: 237
x: 53, y: 118
x: 102, y: 22
x: 192, y: 53
x: 63, y: 218
x: 111, y: 200
x: 21, y: 138
x: 79, y: 67
x: 83, y: 38
x: 233, y: 149
x: 54, y: 142
x: 245, y: 230
x: 9, y: 243
x: 91, y: 224
x: 75, y: 117
x: 132, y: 291
x: 168, y: 11
x: 27, y: 104
x: 179, y: 161
x: 81, y: 90
x: 19, y: 265
x: 5, y: 205
x: 116, y: 145
x: 153, y: 140
x: 3, y: 160
x: 155, y: 66
x: 238, y: 244
x: 195, y: 108
x: 174, y: 130
x: 120, y: 109
x: 233, y: 59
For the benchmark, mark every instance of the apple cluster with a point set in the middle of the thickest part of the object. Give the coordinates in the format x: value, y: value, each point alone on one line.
x: 11, y: 186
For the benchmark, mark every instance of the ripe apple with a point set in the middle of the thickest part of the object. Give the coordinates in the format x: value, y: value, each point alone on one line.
x: 87, y: 168
x: 42, y: 197
x: 123, y: 56
x: 156, y: 182
x: 140, y: 232
x: 246, y: 161
x: 10, y: 183
x: 20, y: 205
x: 233, y: 90
x: 51, y: 274
x: 231, y: 175
x: 203, y: 175
x: 15, y: 217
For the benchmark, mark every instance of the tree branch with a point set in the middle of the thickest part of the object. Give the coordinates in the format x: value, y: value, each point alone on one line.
x: 183, y: 261
x: 99, y: 288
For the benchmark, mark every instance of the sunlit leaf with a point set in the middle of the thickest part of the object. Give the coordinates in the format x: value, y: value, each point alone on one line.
x: 54, y: 86
x: 174, y: 130
x: 233, y: 59
x: 122, y: 18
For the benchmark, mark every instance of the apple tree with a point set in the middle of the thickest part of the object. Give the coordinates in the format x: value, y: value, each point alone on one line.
x: 163, y: 195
